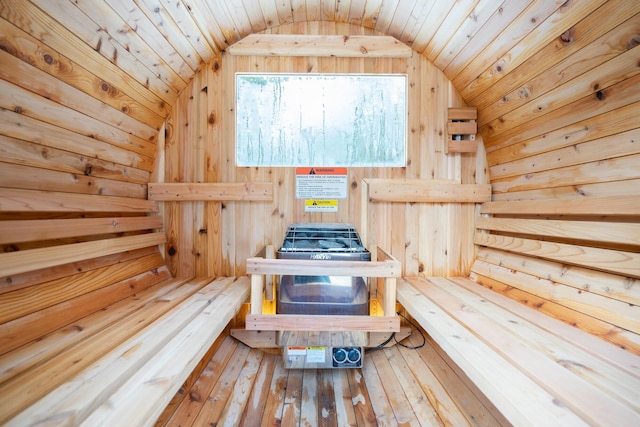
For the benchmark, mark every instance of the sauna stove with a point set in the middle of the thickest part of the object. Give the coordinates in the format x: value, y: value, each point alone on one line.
x: 323, y: 295
x: 328, y: 294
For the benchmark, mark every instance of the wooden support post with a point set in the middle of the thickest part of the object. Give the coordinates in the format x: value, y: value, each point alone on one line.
x: 257, y: 284
x: 269, y: 291
x: 389, y: 302
x: 364, y: 213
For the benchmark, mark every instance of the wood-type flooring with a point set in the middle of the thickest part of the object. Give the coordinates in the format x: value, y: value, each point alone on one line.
x: 397, y: 386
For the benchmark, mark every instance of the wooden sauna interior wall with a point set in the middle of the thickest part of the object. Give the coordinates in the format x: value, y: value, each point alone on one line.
x: 78, y: 139
x: 561, y: 129
x: 84, y: 100
x: 216, y: 237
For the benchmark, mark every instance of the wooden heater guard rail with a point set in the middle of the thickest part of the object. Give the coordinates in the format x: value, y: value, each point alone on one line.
x: 260, y: 265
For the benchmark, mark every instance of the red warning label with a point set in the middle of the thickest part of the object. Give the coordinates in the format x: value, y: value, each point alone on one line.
x: 321, y: 171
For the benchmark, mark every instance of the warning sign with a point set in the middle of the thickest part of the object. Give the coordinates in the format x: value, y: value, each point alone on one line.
x: 315, y: 354
x: 321, y: 183
x: 297, y: 351
x: 320, y: 205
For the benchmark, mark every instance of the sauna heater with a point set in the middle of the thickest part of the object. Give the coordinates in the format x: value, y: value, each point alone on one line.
x: 323, y: 295
x: 300, y: 294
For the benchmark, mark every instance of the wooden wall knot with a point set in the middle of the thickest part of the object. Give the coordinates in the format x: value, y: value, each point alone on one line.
x: 567, y: 36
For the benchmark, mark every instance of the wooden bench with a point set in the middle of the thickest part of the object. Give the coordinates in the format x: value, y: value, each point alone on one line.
x: 535, y: 369
x: 93, y: 327
x: 123, y: 364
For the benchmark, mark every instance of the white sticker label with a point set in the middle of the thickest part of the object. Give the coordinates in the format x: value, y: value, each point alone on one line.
x: 296, y: 351
x: 316, y: 354
x: 321, y: 183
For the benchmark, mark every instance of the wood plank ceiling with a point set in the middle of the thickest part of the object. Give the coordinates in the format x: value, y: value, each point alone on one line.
x: 533, y: 68
x: 161, y: 44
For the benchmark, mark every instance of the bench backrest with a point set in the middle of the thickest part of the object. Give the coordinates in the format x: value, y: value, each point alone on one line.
x: 577, y: 260
x: 71, y: 256
x: 76, y: 155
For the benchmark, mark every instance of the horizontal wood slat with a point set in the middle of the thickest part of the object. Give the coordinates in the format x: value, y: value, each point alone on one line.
x: 25, y: 301
x: 24, y: 280
x: 60, y: 39
x: 23, y: 391
x: 463, y: 128
x: 33, y: 230
x: 609, y: 170
x: 31, y: 176
x: 462, y: 113
x: 616, y: 356
x: 607, y: 147
x: 597, y: 231
x: 78, y: 303
x: 612, y: 286
x: 320, y: 267
x: 35, y: 259
x: 616, y: 335
x: 506, y: 386
x: 234, y: 191
x: 106, y: 357
x: 88, y: 314
x: 292, y: 322
x: 34, y: 77
x: 320, y: 45
x: 614, y: 205
x: 144, y: 395
x: 62, y: 150
x: 621, y: 262
x: 591, y: 388
x: 606, y: 308
x: 426, y: 191
x: 12, y: 200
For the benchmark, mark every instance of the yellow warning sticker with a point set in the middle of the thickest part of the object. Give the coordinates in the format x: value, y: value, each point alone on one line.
x: 320, y: 205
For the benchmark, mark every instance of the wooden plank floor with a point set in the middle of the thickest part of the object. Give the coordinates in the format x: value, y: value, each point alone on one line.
x: 240, y: 386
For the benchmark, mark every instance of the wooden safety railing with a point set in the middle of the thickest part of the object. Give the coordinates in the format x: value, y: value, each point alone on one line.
x: 386, y: 267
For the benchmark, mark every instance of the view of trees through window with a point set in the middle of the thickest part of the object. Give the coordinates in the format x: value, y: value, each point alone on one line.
x: 321, y: 119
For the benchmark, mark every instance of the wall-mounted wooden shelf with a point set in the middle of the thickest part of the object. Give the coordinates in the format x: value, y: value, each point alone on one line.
x: 462, y: 129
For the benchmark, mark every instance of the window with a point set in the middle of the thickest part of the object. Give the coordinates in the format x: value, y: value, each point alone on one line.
x: 321, y: 119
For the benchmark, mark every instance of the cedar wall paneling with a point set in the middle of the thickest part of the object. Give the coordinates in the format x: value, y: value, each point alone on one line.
x: 78, y: 133
x: 84, y: 89
x: 216, y: 237
x: 562, y: 134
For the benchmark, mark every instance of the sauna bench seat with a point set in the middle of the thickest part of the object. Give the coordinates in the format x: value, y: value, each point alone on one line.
x: 535, y: 369
x: 123, y: 364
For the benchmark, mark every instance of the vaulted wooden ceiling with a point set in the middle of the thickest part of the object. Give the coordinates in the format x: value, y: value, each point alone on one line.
x: 500, y: 55
x: 163, y: 43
